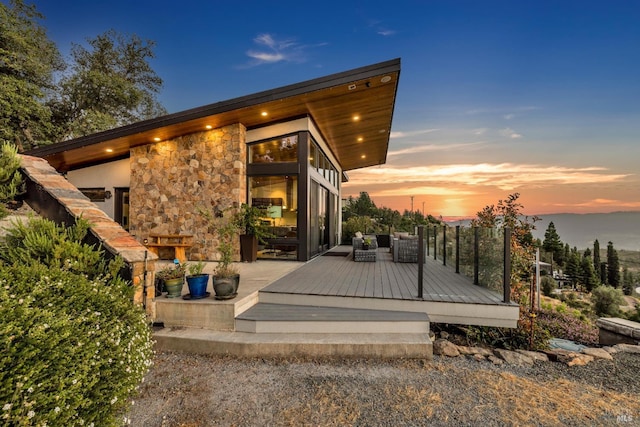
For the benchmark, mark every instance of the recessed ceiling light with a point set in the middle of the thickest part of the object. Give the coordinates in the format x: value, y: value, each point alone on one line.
x: 157, y: 139
x: 356, y: 118
x: 352, y: 86
x: 363, y: 156
x: 382, y: 131
x: 385, y: 79
x: 109, y: 150
x: 264, y: 114
x: 360, y: 139
x: 208, y: 127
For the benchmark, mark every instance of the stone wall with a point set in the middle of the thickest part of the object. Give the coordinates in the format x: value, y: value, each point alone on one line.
x: 172, y: 180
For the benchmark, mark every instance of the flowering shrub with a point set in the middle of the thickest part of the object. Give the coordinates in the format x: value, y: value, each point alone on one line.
x: 568, y: 326
x: 73, y: 347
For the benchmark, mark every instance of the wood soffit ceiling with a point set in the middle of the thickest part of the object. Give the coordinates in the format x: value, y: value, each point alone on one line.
x: 353, y: 110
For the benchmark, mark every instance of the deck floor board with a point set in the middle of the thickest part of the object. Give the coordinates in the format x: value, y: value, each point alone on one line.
x: 341, y: 276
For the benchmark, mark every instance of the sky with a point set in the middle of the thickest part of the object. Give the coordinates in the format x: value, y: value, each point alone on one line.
x: 538, y: 97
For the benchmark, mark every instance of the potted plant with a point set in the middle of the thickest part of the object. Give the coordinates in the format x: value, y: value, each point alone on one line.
x: 197, y: 281
x: 173, y: 278
x: 226, y: 277
x: 366, y: 243
x: 249, y: 220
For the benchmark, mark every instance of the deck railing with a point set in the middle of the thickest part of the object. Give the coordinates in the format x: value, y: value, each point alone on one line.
x: 482, y: 254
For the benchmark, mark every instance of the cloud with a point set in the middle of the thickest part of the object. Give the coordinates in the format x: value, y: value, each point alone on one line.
x: 386, y: 33
x: 510, y: 133
x: 434, y: 147
x: 508, y: 116
x: 505, y: 176
x: 601, y: 203
x: 397, y: 135
x: 271, y: 50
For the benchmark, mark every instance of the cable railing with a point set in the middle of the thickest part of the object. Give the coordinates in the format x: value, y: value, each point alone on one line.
x: 482, y: 254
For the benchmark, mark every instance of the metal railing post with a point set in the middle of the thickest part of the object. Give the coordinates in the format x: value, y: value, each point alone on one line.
x: 458, y: 249
x: 444, y: 245
x: 435, y: 242
x: 427, y: 240
x: 420, y: 260
x: 506, y: 281
x: 476, y: 255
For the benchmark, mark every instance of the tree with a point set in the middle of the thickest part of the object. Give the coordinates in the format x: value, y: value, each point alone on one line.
x: 11, y: 183
x: 28, y: 62
x: 553, y: 244
x: 112, y: 84
x: 596, y: 257
x: 627, y: 281
x: 588, y: 276
x: 613, y: 266
x: 572, y: 269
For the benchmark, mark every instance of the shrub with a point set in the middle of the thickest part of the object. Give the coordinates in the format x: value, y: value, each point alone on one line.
x: 73, y: 346
x: 10, y: 179
x: 607, y: 300
x: 548, y: 285
x: 567, y: 326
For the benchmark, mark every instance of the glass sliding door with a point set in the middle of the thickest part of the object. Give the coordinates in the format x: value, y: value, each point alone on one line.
x: 318, y: 219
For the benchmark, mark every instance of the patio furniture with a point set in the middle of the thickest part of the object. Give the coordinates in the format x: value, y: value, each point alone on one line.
x: 358, y: 241
x: 362, y: 255
x: 178, y: 242
x: 405, y: 249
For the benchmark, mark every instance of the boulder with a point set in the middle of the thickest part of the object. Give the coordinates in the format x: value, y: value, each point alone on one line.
x: 535, y: 355
x: 443, y: 347
x: 598, y: 353
x: 627, y: 348
x: 495, y: 360
x: 580, y: 360
x: 513, y: 357
x: 474, y: 350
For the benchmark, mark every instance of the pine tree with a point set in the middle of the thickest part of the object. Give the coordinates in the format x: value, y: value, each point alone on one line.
x: 589, y: 278
x: 596, y: 257
x: 613, y: 266
x: 553, y: 244
x: 572, y: 269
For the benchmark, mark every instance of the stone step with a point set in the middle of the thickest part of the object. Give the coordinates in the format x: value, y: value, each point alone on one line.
x: 285, y: 318
x: 243, y: 344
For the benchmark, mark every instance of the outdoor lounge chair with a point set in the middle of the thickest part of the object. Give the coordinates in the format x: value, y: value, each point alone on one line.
x: 405, y: 250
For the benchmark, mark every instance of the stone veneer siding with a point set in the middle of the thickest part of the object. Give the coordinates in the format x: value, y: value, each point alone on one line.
x: 171, y: 180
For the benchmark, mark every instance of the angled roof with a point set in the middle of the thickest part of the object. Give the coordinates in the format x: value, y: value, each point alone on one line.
x: 353, y: 110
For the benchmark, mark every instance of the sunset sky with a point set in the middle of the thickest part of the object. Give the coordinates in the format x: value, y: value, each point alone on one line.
x: 495, y: 97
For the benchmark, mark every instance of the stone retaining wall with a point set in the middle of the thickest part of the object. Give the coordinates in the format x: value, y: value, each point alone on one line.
x: 171, y: 180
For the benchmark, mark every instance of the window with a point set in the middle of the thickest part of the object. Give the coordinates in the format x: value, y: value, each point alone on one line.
x: 283, y: 149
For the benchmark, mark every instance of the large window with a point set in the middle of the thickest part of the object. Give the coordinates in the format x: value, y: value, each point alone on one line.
x: 282, y: 149
x: 277, y: 198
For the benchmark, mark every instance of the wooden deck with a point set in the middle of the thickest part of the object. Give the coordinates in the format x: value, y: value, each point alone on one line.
x: 339, y: 281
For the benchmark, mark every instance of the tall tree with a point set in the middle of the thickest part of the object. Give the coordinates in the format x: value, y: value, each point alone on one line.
x: 589, y: 278
x: 553, y: 244
x: 613, y: 266
x: 572, y: 269
x: 112, y: 84
x: 28, y: 63
x: 596, y: 256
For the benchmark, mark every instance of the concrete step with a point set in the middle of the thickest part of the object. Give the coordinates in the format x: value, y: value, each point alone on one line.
x: 243, y: 344
x: 285, y: 318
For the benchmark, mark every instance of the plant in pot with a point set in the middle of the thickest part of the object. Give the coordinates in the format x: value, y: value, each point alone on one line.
x: 249, y: 220
x: 366, y: 243
x: 197, y: 281
x: 226, y: 277
x: 173, y: 278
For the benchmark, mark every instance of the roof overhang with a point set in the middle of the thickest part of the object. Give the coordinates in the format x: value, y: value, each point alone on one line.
x: 353, y: 111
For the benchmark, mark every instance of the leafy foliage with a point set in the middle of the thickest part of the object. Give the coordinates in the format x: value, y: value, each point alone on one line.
x: 73, y: 346
x: 28, y: 61
x: 11, y: 183
x: 607, y: 300
x: 567, y: 325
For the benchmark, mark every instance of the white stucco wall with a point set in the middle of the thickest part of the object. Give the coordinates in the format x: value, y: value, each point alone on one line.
x: 108, y: 175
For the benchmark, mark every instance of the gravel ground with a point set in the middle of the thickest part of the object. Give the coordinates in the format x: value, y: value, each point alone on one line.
x: 189, y: 390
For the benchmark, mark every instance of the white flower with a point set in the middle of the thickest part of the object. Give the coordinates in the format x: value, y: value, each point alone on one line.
x: 114, y: 400
x: 57, y: 410
x: 31, y: 414
x: 6, y: 406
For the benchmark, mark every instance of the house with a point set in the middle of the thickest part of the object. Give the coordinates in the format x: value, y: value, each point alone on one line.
x: 285, y: 150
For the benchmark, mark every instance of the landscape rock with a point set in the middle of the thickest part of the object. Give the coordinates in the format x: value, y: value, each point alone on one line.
x: 474, y: 350
x: 535, y: 355
x: 513, y: 357
x: 628, y: 348
x: 598, y: 353
x: 495, y: 360
x: 580, y: 360
x: 443, y: 347
x: 444, y: 335
x: 479, y: 357
x: 610, y: 350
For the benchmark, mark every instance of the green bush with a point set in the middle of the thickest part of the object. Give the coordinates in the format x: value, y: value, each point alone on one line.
x: 570, y: 326
x: 10, y: 179
x: 73, y: 346
x: 548, y: 285
x: 607, y: 300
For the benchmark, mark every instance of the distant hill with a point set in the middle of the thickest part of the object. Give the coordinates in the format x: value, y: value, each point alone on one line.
x: 580, y: 230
